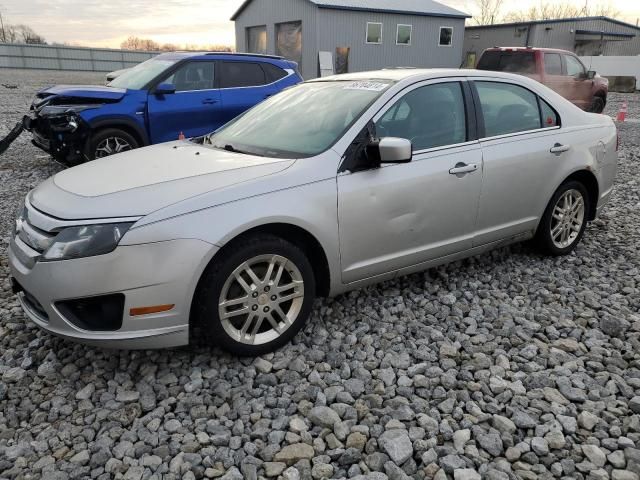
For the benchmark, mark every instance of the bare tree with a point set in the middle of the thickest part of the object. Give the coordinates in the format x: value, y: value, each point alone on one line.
x: 548, y: 11
x: 136, y: 43
x: 18, y: 33
x: 489, y: 11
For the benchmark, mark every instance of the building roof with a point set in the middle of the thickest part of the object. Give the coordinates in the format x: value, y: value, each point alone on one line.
x: 411, y: 7
x: 554, y: 20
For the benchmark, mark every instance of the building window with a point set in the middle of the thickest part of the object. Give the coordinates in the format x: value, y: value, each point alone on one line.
x: 257, y: 39
x: 289, y: 41
x: 446, y: 36
x: 403, y: 34
x: 374, y: 33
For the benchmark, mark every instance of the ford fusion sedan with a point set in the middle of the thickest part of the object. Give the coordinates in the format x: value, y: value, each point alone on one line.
x: 328, y: 186
x: 173, y: 94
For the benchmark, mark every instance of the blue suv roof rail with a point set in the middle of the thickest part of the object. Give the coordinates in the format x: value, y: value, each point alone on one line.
x: 274, y: 57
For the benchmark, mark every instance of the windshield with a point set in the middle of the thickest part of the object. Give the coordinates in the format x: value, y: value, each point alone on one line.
x: 138, y: 76
x: 302, y: 121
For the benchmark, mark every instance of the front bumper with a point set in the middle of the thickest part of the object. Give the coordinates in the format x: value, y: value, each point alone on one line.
x: 151, y: 274
x: 63, y: 136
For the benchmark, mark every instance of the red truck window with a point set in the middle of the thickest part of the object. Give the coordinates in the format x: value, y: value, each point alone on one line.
x: 506, y: 61
x: 552, y: 64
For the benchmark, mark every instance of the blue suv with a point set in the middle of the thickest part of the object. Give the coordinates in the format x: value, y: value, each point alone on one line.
x: 171, y: 95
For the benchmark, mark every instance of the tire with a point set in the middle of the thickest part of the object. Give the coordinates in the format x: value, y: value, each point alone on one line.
x: 221, y: 293
x: 558, y: 234
x: 597, y: 105
x: 109, y: 141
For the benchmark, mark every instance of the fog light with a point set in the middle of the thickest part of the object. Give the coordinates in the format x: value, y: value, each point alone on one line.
x: 96, y: 314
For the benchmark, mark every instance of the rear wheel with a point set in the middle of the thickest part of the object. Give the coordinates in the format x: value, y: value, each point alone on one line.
x: 565, y: 219
x: 109, y: 142
x: 257, y: 296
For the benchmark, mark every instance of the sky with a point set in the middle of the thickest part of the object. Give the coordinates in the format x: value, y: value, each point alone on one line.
x: 100, y: 23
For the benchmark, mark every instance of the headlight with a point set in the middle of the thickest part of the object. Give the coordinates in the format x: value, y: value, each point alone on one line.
x: 86, y: 241
x: 21, y: 214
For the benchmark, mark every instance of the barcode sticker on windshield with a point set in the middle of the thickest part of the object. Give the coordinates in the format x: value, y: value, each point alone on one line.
x: 371, y: 86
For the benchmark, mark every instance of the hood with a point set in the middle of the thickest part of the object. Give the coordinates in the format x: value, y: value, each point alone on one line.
x: 69, y: 94
x: 139, y: 182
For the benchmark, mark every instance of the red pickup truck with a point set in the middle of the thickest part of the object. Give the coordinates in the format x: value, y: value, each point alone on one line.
x: 559, y: 70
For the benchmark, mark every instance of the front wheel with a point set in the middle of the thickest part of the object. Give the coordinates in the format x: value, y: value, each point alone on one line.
x: 256, y: 296
x: 565, y: 219
x: 108, y: 142
x: 597, y: 105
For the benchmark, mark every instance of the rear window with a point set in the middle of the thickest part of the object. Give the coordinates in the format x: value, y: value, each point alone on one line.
x: 513, y: 62
x: 273, y: 73
x: 241, y: 74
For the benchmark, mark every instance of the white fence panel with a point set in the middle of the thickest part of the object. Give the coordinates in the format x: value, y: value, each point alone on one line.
x: 613, y: 66
x: 50, y: 57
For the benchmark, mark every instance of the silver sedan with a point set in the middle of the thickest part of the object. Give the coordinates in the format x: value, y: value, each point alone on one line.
x: 326, y: 187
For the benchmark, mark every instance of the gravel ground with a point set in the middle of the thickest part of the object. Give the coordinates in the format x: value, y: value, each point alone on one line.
x: 507, y: 365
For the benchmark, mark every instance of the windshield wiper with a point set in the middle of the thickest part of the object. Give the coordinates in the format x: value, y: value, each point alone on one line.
x: 230, y: 148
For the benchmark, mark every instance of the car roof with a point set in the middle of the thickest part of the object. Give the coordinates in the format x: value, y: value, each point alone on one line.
x: 400, y: 74
x: 208, y: 55
x: 527, y: 49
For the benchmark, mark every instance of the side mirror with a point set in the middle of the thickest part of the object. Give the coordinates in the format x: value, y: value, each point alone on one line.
x: 165, y: 89
x: 395, y: 150
x: 591, y: 75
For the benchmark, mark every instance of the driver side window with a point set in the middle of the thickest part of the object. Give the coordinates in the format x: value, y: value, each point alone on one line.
x: 574, y: 67
x: 192, y: 76
x: 430, y: 116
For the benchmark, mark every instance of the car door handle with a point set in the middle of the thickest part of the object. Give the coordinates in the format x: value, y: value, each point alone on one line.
x: 209, y: 101
x: 462, y: 168
x: 557, y: 149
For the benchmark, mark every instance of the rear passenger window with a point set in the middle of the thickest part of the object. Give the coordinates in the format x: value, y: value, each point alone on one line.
x: 241, y: 74
x: 549, y: 116
x: 507, y: 108
x: 273, y: 73
x: 552, y: 64
x: 514, y: 62
x: 430, y: 116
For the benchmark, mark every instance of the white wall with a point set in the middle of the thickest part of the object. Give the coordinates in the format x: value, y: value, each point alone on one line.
x: 615, y: 66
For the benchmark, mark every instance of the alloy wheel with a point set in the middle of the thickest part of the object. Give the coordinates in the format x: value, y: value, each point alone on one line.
x: 567, y: 218
x: 111, y: 146
x: 261, y: 299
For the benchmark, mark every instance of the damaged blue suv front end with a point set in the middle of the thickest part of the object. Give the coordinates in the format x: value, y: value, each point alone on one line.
x: 167, y: 97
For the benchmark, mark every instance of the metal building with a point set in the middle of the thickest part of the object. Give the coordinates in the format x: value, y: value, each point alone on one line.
x: 352, y: 35
x: 585, y: 36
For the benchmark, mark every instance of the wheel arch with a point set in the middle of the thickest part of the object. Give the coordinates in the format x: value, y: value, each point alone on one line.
x: 590, y: 182
x: 124, y: 124
x: 300, y: 237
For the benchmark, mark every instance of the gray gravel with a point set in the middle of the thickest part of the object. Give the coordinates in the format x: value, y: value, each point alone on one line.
x: 507, y: 365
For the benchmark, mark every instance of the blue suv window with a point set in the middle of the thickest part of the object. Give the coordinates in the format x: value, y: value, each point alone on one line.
x: 241, y: 74
x: 273, y: 73
x: 193, y: 76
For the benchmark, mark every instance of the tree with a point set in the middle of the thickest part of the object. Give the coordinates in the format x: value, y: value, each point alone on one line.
x: 548, y: 11
x: 489, y: 12
x: 18, y: 33
x: 137, y: 43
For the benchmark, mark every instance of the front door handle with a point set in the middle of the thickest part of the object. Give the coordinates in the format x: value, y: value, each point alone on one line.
x: 462, y: 168
x: 209, y: 101
x: 558, y: 148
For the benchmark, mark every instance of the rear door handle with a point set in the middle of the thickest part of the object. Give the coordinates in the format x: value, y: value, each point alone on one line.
x: 558, y: 148
x: 462, y: 168
x: 209, y: 101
